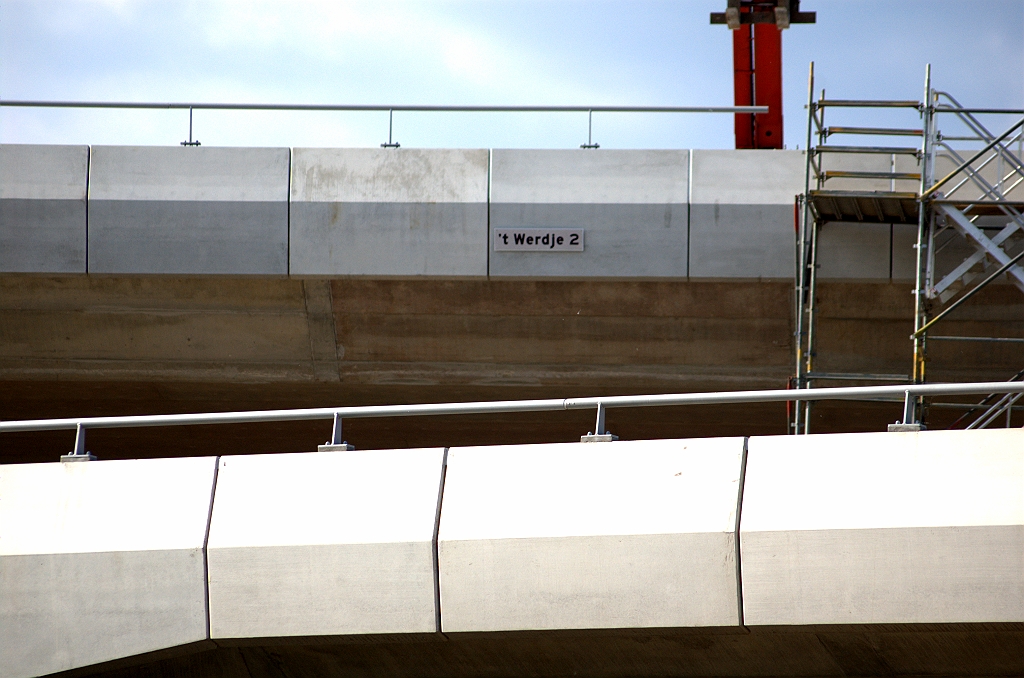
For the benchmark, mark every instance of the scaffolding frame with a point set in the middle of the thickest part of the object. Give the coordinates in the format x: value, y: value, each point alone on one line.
x: 982, y: 194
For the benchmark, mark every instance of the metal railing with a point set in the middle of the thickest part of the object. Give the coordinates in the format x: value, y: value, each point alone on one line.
x: 389, y: 108
x: 909, y: 393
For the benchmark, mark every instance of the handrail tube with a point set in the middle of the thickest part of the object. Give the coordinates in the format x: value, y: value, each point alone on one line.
x: 956, y: 304
x: 995, y: 142
x: 422, y: 108
x: 512, y: 406
x: 868, y: 103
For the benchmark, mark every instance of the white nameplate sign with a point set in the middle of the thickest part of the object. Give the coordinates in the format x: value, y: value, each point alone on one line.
x: 538, y: 240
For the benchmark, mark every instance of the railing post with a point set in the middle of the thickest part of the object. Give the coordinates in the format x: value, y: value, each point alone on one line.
x: 336, y: 444
x: 78, y: 453
x: 600, y: 435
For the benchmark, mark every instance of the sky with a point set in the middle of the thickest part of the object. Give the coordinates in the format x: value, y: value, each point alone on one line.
x: 491, y: 52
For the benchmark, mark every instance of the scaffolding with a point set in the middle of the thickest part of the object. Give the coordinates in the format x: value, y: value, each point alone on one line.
x: 969, y: 223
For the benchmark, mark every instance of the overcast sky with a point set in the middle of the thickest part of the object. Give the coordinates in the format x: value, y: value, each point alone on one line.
x: 481, y: 52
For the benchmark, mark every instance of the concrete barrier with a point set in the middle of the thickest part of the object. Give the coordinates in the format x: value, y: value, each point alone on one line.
x: 884, y: 528
x: 100, y: 560
x: 389, y: 212
x: 590, y: 535
x: 741, y: 213
x: 188, y: 210
x: 331, y: 543
x: 42, y: 208
x: 631, y: 206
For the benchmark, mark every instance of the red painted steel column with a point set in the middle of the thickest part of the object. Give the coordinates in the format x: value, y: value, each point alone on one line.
x: 743, y: 84
x: 768, y: 85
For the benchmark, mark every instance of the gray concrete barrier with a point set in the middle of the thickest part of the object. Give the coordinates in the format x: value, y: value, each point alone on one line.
x: 333, y: 543
x: 884, y: 528
x: 188, y: 210
x: 389, y: 212
x: 432, y: 212
x: 631, y: 207
x: 42, y: 208
x: 590, y: 535
x: 741, y: 213
x: 100, y: 560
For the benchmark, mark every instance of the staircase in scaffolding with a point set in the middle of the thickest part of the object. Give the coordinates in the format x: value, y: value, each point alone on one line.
x: 969, y: 223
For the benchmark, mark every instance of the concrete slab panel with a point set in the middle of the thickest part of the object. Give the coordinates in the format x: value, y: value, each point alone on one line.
x: 389, y: 175
x: 189, y: 210
x: 42, y: 208
x: 201, y: 174
x: 620, y: 241
x: 631, y: 205
x: 379, y: 239
x: 605, y: 177
x: 884, y: 528
x: 742, y: 241
x: 389, y: 212
x: 904, y: 253
x: 747, y: 177
x: 331, y: 543
x: 633, y: 534
x: 101, y: 560
x: 741, y: 213
x: 188, y: 237
x: 853, y: 251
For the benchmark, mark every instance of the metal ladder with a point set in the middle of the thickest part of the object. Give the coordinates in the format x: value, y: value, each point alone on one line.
x: 978, y: 206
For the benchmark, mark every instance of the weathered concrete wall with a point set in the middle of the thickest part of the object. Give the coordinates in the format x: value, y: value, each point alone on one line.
x: 74, y: 345
x: 632, y: 206
x: 188, y: 210
x: 884, y: 528
x: 101, y: 560
x: 434, y: 212
x: 979, y: 651
x: 42, y: 208
x: 335, y: 543
x: 741, y: 213
x: 581, y: 536
x: 389, y: 212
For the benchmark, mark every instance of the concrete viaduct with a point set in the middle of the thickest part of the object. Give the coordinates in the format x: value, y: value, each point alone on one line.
x: 143, y: 280
x: 824, y: 555
x: 146, y: 280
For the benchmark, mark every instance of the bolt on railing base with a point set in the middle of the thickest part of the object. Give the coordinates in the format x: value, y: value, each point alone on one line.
x: 340, y: 447
x: 905, y: 428
x: 88, y: 456
x: 602, y: 438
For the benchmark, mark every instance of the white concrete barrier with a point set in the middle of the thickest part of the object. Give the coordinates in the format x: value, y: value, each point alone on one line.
x: 42, y: 208
x: 188, y: 210
x: 100, y: 560
x: 884, y: 528
x: 741, y: 213
x: 590, y: 535
x: 389, y: 212
x: 630, y: 205
x: 323, y: 544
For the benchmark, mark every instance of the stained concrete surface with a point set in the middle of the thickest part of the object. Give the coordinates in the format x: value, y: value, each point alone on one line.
x: 110, y: 345
x: 584, y: 535
x: 113, y: 549
x: 952, y: 650
x: 923, y: 527
x: 399, y: 212
x: 43, y: 208
x: 324, y: 544
x: 203, y: 210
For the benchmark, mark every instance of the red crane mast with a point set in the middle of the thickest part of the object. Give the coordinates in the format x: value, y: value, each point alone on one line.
x: 757, y: 27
